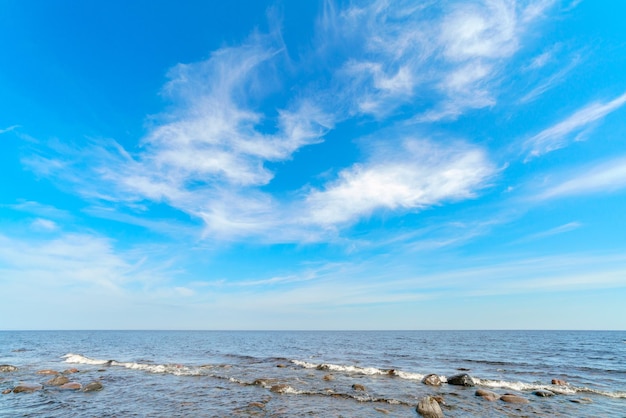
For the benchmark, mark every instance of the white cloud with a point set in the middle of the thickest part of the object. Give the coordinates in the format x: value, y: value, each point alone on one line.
x: 44, y: 224
x: 558, y: 136
x: 606, y: 177
x: 9, y: 129
x: 416, y: 175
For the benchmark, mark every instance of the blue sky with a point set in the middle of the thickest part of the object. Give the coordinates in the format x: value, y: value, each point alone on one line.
x: 312, y: 165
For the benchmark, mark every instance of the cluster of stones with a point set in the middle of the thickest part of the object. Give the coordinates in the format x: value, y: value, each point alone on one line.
x: 58, y: 379
x: 429, y: 406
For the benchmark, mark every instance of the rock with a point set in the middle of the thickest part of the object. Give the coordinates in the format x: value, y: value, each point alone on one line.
x: 559, y: 382
x: 439, y: 399
x: 432, y: 380
x: 462, y: 379
x: 264, y: 382
x: 358, y: 387
x: 279, y: 388
x: 382, y: 411
x: 428, y: 407
x: 256, y: 405
x: 543, y: 393
x: 4, y: 392
x: 71, y: 386
x: 329, y: 377
x: 282, y: 366
x: 92, y: 387
x: 70, y: 371
x: 4, y: 368
x: 487, y: 395
x: 48, y: 372
x: 57, y: 381
x: 27, y: 387
x: 511, y: 398
x: 581, y: 400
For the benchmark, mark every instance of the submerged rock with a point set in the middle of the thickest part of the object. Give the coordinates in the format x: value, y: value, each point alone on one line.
x: 511, y: 398
x: 4, y: 392
x: 71, y: 371
x: 27, y: 387
x: 559, y: 382
x: 358, y: 387
x: 432, y: 380
x: 329, y: 377
x: 71, y: 386
x: 428, y: 407
x: 57, y: 381
x: 48, y: 372
x: 487, y: 395
x: 282, y: 388
x: 7, y: 368
x: 92, y: 387
x: 543, y: 393
x: 462, y: 379
x: 581, y: 400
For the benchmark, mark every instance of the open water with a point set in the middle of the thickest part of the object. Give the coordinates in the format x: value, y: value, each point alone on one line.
x: 304, y: 374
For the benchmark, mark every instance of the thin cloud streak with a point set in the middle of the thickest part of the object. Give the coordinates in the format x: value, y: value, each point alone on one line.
x: 557, y: 136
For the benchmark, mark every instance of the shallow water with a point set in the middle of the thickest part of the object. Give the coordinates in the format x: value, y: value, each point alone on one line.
x: 292, y: 374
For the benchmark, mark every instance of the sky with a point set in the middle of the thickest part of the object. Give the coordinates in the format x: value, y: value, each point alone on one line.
x: 312, y: 165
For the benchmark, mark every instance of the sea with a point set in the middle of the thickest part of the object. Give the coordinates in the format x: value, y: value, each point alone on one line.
x: 313, y: 373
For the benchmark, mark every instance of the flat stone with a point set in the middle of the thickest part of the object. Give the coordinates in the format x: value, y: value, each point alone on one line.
x: 428, y: 407
x: 27, y: 387
x: 581, y: 400
x: 71, y: 386
x: 48, y: 372
x: 4, y: 392
x: 543, y: 393
x: 256, y: 405
x: 279, y: 388
x: 57, y: 381
x: 487, y: 395
x: 70, y: 371
x: 4, y: 368
x: 510, y: 398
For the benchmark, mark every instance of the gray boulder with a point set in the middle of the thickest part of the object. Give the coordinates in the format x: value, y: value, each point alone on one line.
x: 432, y: 380
x: 428, y: 407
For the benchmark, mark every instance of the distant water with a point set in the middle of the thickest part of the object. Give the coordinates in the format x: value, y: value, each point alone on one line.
x: 298, y: 374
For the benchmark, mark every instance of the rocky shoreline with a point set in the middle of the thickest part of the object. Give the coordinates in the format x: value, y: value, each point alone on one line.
x: 430, y: 406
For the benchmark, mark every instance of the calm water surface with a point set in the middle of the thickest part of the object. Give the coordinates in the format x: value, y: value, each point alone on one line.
x: 295, y: 374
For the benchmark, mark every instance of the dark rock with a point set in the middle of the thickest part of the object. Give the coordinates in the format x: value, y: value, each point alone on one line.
x: 463, y: 369
x: 463, y: 379
x: 487, y: 395
x: 27, y: 387
x: 7, y: 368
x: 57, y: 381
x: 432, y: 380
x: 559, y: 382
x: 92, y: 387
x: 581, y: 400
x: 71, y: 386
x: 281, y: 366
x: 48, y: 372
x: 428, y: 407
x: 358, y: 387
x: 511, y: 398
x: 543, y: 393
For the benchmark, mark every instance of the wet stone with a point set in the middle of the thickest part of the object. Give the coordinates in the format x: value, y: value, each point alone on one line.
x: 487, y: 395
x: 57, y: 381
x: 48, y: 372
x: 358, y: 387
x: 428, y: 407
x: 27, y: 387
x: 543, y: 393
x: 71, y: 386
x: 4, y: 392
x: 462, y: 379
x: 279, y: 388
x: 92, y: 387
x: 511, y: 398
x: 70, y: 371
x: 581, y: 400
x: 559, y: 382
x: 329, y: 377
x: 432, y: 380
x: 4, y: 368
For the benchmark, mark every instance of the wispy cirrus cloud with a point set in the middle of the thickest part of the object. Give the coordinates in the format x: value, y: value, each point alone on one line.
x: 608, y: 176
x: 559, y: 135
x: 9, y: 129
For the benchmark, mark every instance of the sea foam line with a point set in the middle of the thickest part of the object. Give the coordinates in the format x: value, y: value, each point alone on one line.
x: 370, y: 371
x: 176, y: 369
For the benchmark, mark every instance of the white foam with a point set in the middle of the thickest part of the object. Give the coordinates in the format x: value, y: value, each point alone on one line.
x: 341, y: 368
x: 80, y: 359
x: 408, y: 375
x: 521, y: 386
